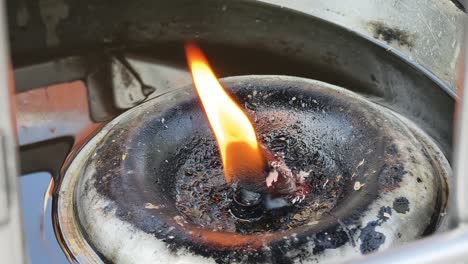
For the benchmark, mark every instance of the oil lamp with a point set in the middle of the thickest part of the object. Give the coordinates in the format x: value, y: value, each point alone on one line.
x: 247, y: 164
x: 266, y: 169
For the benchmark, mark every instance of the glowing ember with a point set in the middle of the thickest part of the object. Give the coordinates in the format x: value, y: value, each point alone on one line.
x: 241, y: 154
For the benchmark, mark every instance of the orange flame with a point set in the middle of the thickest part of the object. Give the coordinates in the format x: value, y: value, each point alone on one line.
x: 241, y: 154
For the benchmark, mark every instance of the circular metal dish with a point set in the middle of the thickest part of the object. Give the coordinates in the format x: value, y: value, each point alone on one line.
x: 114, y: 203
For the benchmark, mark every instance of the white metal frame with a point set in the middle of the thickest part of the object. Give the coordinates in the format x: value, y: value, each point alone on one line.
x: 11, y: 234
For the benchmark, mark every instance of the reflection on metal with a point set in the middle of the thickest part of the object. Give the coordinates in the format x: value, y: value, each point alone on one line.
x: 113, y: 75
x: 162, y: 76
x: 42, y: 246
x: 128, y: 89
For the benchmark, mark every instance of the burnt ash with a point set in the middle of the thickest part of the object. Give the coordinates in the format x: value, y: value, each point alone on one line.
x: 330, y: 239
x: 371, y: 240
x: 401, y: 205
x: 204, y: 199
x: 391, y: 176
x: 392, y: 34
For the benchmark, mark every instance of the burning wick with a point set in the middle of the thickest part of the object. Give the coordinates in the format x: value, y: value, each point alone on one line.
x: 246, y: 163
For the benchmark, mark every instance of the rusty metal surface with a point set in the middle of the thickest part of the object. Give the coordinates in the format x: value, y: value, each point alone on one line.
x: 50, y: 121
x: 52, y: 112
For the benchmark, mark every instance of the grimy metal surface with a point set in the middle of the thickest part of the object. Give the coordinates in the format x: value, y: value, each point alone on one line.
x: 428, y: 32
x: 11, y: 234
x: 44, y: 21
x: 451, y: 246
x: 135, y: 160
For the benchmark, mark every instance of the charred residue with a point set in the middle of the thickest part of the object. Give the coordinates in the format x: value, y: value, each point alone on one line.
x: 371, y: 240
x: 204, y: 198
x: 401, y: 205
x: 392, y: 175
x: 330, y: 239
x: 391, y: 34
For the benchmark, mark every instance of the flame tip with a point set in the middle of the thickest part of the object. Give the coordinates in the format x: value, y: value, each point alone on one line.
x: 229, y: 123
